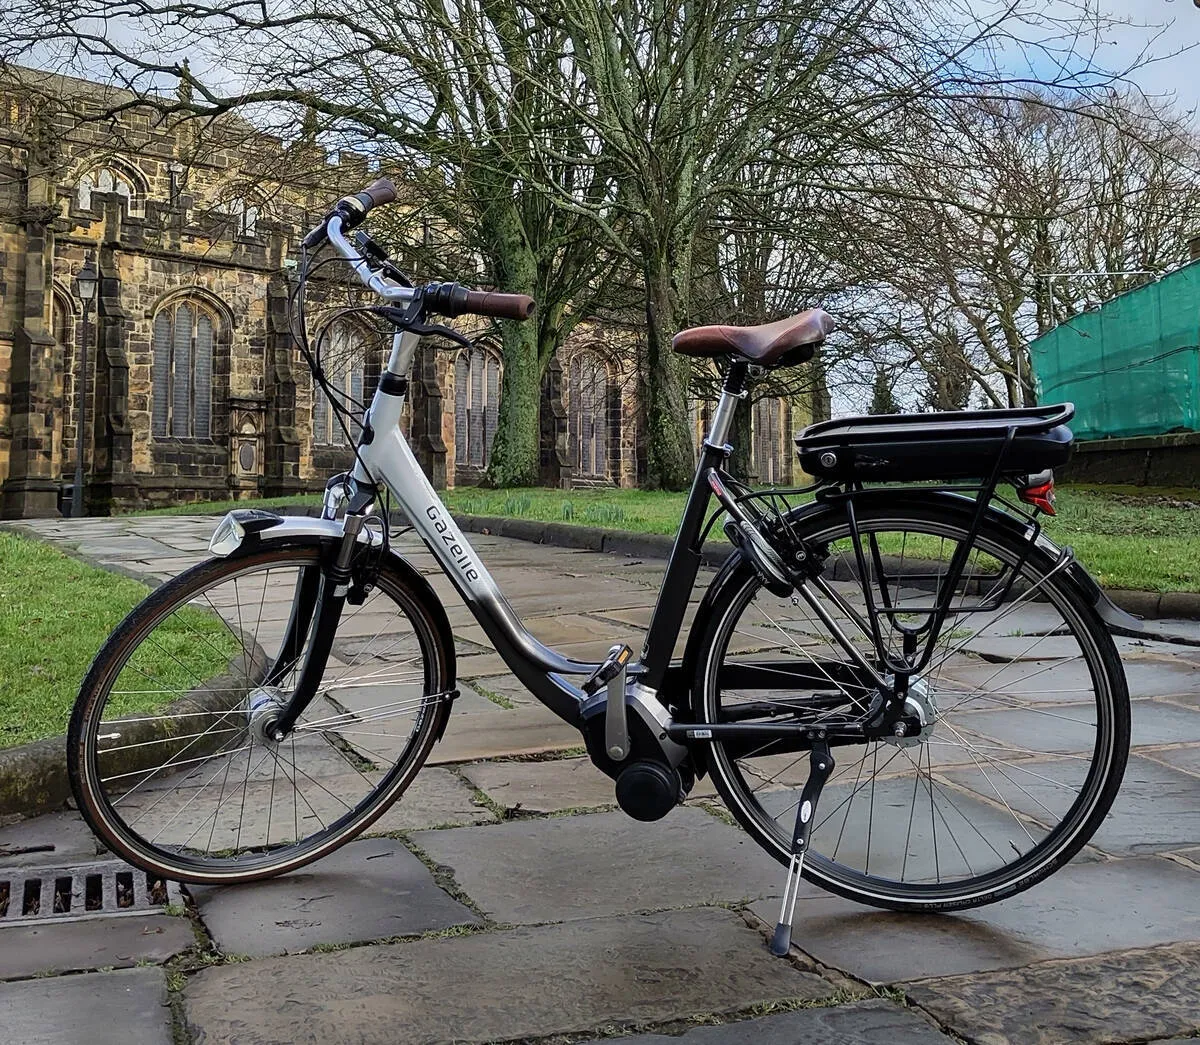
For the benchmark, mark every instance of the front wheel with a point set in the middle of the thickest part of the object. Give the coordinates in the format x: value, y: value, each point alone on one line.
x: 1025, y: 699
x: 171, y: 757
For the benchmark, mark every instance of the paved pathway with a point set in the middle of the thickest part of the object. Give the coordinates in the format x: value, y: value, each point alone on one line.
x: 508, y: 901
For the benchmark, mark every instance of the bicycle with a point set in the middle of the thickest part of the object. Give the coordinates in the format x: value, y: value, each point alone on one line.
x: 271, y: 703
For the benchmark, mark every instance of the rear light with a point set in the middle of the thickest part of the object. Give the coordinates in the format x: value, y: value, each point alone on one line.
x: 1040, y: 495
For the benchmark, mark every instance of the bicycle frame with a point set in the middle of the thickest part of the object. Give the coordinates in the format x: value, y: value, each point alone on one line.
x: 545, y: 672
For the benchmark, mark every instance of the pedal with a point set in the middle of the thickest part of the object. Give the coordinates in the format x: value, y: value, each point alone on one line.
x: 820, y: 766
x: 612, y: 674
x: 617, y: 658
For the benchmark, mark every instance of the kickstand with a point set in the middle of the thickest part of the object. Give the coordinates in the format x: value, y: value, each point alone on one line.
x: 819, y: 767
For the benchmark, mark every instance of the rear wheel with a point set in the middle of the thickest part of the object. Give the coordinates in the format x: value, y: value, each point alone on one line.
x: 1026, y: 702
x: 171, y: 760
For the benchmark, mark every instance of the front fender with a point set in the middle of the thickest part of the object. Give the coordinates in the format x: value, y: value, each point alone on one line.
x: 245, y: 530
x: 249, y: 527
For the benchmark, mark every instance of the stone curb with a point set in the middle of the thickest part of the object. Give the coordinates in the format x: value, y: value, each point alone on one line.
x: 1150, y: 605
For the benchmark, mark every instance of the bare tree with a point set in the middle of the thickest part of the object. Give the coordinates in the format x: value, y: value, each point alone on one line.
x: 449, y: 96
x: 1014, y: 214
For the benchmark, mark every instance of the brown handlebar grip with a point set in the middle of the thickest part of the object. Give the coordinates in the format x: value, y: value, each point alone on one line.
x: 501, y: 306
x: 380, y: 192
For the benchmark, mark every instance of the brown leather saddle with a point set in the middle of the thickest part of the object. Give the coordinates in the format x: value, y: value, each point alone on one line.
x: 783, y: 343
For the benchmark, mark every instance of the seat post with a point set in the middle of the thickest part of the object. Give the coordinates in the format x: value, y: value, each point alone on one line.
x: 733, y: 390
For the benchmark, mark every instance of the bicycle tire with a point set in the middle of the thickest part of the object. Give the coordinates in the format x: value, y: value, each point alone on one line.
x: 1077, y: 825
x: 84, y: 752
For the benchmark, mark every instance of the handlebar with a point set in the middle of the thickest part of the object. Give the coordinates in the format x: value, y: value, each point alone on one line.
x: 353, y: 210
x: 447, y: 299
x: 453, y: 299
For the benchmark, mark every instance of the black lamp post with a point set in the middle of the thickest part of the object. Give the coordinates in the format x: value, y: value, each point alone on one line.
x: 85, y: 289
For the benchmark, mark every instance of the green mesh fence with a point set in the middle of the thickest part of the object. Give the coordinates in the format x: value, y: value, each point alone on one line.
x: 1133, y: 366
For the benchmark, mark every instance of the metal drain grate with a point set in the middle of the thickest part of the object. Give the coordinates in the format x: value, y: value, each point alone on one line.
x: 96, y: 890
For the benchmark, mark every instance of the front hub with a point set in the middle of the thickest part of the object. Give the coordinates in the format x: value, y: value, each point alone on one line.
x: 264, y: 705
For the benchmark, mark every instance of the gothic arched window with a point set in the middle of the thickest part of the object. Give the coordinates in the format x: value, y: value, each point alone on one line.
x: 476, y: 405
x: 343, y: 358
x: 587, y: 414
x: 182, y: 371
x: 243, y: 214
x: 766, y: 442
x: 109, y: 179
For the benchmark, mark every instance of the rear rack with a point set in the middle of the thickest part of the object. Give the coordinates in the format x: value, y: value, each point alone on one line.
x: 978, y: 423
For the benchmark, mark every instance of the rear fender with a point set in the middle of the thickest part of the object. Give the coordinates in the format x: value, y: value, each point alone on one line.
x: 737, y: 568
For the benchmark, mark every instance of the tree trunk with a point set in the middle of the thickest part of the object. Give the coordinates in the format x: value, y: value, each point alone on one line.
x: 669, y: 455
x: 741, y: 463
x: 514, y: 458
x: 822, y: 405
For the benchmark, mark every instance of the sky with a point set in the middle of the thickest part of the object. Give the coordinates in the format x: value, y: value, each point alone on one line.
x: 1162, y: 36
x: 1175, y: 72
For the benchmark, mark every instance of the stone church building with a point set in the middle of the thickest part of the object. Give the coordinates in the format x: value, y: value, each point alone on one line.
x: 194, y: 386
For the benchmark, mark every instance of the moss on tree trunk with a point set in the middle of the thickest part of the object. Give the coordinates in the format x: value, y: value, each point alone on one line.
x: 513, y: 460
x: 669, y: 455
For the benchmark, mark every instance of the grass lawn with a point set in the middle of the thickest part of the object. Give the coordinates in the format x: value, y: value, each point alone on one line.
x: 221, y: 507
x: 1129, y: 537
x: 55, y: 613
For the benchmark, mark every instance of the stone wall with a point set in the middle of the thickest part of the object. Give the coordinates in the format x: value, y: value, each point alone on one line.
x: 1158, y: 460
x: 180, y: 213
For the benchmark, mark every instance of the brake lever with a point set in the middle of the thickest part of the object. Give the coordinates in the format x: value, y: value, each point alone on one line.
x: 408, y: 321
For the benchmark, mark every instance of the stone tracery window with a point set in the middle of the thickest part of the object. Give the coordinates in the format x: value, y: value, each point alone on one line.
x: 476, y: 405
x: 109, y: 179
x: 767, y: 446
x: 182, y: 371
x: 343, y: 358
x: 587, y: 414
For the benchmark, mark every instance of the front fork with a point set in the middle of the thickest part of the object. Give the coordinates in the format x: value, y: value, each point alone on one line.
x: 317, y: 609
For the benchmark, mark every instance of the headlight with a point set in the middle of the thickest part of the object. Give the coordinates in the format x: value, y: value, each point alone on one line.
x: 227, y: 537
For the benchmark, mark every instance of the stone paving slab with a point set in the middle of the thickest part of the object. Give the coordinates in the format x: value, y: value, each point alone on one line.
x: 563, y: 629
x: 436, y: 798
x: 56, y: 838
x: 1143, y: 995
x: 1058, y: 681
x: 954, y: 833
x: 368, y: 890
x: 1083, y: 909
x: 1156, y: 810
x: 1190, y: 855
x: 471, y: 700
x: 602, y: 863
x: 29, y: 949
x: 875, y: 1022
x: 489, y: 734
x: 557, y: 979
x: 507, y: 687
x: 1072, y: 727
x: 473, y: 665
x: 1172, y: 629
x: 543, y: 787
x: 104, y: 1008
x: 999, y: 650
